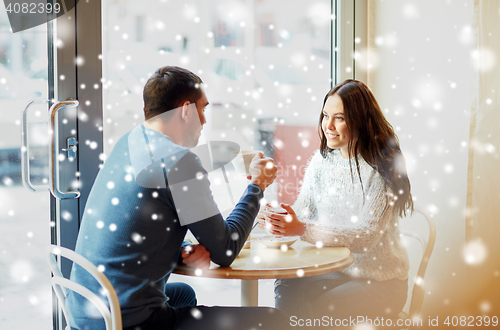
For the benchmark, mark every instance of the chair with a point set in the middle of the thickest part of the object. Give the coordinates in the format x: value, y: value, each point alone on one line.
x: 418, y: 292
x: 112, y: 314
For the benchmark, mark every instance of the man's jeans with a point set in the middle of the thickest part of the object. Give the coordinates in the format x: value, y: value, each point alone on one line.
x: 181, y: 313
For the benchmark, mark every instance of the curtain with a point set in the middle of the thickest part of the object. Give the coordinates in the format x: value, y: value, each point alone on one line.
x: 482, y: 251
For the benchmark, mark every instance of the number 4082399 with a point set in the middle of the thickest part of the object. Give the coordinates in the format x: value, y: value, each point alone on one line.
x: 33, y: 8
x: 471, y: 321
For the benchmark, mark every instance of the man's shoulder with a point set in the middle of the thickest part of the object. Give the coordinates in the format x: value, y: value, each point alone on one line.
x: 187, y: 167
x: 119, y: 155
x: 121, y: 145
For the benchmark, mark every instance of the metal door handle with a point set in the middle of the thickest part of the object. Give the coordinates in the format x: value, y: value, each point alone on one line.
x: 54, y: 154
x: 25, y: 160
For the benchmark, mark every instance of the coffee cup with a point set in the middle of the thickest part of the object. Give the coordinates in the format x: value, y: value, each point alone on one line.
x: 242, y: 161
x: 278, y: 210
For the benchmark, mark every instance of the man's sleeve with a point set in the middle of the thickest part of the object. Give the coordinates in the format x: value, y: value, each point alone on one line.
x: 184, y: 244
x: 190, y: 188
x: 196, y: 208
x: 225, y: 238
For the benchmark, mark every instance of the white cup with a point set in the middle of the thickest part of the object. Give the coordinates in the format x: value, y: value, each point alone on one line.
x: 242, y: 161
x: 278, y: 210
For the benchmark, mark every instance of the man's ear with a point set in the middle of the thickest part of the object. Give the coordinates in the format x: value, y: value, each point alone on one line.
x: 185, y: 110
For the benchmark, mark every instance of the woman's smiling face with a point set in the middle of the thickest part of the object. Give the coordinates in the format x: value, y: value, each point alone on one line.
x: 334, y: 126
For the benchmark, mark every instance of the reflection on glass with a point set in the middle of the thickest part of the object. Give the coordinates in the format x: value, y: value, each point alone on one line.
x: 25, y: 291
x: 259, y: 62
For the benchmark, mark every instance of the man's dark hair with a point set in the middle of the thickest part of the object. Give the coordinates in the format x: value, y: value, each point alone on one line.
x: 167, y: 88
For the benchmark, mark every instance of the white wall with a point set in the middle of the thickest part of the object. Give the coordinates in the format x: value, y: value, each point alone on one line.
x: 422, y: 80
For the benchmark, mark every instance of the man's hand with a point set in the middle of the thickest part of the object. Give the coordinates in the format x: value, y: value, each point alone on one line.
x: 196, y: 256
x: 262, y: 171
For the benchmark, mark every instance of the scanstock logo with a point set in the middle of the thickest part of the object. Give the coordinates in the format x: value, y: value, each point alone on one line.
x: 158, y: 163
x: 25, y: 14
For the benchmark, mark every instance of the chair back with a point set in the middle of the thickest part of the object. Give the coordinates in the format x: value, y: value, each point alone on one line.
x: 112, y: 314
x: 418, y: 292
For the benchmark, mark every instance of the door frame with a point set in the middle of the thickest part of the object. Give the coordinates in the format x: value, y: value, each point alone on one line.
x: 75, y: 72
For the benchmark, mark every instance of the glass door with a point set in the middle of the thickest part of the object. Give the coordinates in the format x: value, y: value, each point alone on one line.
x: 45, y: 64
x: 25, y: 223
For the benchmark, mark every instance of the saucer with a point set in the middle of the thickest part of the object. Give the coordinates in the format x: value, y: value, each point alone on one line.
x: 276, y: 242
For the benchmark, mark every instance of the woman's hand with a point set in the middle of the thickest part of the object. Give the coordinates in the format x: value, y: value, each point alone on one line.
x: 261, y: 218
x: 196, y: 256
x: 283, y: 224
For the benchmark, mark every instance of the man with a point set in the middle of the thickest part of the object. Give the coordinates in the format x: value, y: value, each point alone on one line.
x: 150, y: 191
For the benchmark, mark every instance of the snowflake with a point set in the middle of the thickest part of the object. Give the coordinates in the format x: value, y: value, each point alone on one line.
x: 475, y: 252
x: 137, y: 238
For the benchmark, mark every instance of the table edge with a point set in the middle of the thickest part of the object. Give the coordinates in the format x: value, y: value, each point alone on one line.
x: 243, y: 274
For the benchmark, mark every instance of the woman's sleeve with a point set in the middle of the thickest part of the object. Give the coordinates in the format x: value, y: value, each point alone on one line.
x: 367, y: 226
x: 304, y: 206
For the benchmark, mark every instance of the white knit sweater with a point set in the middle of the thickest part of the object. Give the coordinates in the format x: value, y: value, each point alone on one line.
x: 332, y: 204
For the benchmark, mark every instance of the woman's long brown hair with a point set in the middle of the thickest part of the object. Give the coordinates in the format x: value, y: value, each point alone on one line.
x: 372, y: 137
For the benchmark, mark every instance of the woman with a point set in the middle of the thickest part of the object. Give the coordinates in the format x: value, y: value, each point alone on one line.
x: 353, y: 202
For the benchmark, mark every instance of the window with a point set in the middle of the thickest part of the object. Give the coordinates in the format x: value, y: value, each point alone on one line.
x: 266, y: 66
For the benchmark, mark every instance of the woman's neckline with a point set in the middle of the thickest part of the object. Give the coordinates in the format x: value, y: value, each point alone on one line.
x: 337, y: 156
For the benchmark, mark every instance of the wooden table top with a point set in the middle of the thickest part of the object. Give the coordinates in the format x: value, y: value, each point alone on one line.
x: 301, y: 259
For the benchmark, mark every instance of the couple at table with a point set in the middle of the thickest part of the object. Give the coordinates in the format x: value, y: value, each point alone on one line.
x: 134, y: 228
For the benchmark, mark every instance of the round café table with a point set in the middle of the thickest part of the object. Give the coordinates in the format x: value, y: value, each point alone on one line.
x: 301, y: 259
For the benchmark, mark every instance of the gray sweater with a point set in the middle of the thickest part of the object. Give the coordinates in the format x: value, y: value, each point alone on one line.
x: 332, y: 203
